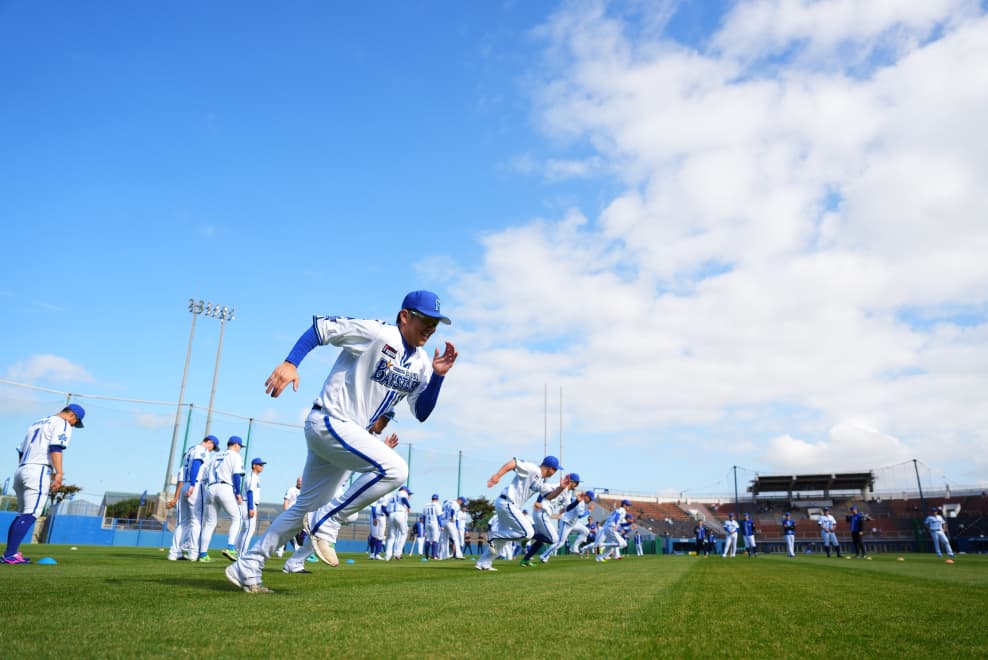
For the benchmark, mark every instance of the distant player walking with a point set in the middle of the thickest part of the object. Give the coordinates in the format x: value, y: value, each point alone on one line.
x: 380, y: 365
x: 39, y: 472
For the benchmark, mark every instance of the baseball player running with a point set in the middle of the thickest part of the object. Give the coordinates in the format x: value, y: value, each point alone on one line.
x: 191, y: 500
x: 39, y: 471
x: 226, y: 474
x: 450, y: 534
x: 546, y: 530
x: 609, y: 535
x: 828, y: 531
x: 512, y: 525
x: 380, y: 365
x: 572, y: 520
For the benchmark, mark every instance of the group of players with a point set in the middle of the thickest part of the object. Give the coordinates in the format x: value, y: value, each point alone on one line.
x: 212, y: 482
x: 705, y: 538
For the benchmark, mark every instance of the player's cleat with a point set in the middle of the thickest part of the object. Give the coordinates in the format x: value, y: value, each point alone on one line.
x: 525, y: 562
x: 301, y: 570
x: 233, y: 575
x: 16, y: 558
x: 205, y: 558
x: 312, y: 559
x: 230, y: 554
x: 543, y: 560
x: 485, y: 568
x: 325, y: 550
x: 257, y: 589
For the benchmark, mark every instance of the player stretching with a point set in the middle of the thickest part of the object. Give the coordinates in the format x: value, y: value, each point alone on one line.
x: 39, y: 471
x: 380, y: 365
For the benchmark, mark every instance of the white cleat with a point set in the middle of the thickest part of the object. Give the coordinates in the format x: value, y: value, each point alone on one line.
x: 325, y: 550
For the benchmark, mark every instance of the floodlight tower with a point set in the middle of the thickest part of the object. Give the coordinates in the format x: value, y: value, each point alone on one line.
x: 224, y: 314
x: 196, y: 309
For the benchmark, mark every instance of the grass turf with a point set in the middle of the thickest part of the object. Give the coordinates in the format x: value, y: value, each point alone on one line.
x: 131, y: 602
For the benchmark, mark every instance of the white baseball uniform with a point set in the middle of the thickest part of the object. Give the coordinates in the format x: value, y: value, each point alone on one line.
x: 221, y: 495
x: 936, y: 524
x: 449, y: 532
x: 609, y: 535
x: 373, y: 373
x: 32, y: 480
x: 251, y: 498
x: 730, y: 537
x: 397, y: 508
x: 433, y: 513
x: 828, y: 532
x: 572, y: 519
x: 191, y: 508
x: 512, y: 524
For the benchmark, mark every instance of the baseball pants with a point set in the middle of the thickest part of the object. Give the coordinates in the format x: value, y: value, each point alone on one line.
x: 220, y: 496
x: 31, y: 484
x: 731, y: 544
x: 397, y: 532
x: 941, y: 543
x: 335, y: 447
x: 791, y: 545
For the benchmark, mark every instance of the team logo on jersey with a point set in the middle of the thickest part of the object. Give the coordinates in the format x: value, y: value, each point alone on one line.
x: 62, y: 438
x: 390, y: 351
x: 394, y: 377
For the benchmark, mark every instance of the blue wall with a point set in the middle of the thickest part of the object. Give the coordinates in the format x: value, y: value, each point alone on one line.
x: 88, y: 530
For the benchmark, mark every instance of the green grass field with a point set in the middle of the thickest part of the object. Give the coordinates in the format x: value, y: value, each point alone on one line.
x: 131, y: 602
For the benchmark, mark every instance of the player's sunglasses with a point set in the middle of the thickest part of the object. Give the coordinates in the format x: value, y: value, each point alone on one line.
x: 428, y: 321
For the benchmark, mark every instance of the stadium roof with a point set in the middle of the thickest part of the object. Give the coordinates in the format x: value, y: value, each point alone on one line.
x: 858, y: 481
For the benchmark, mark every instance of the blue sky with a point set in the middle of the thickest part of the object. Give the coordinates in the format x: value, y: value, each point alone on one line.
x: 727, y: 233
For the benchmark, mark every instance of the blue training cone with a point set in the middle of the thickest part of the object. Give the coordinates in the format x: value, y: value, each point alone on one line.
x: 350, y: 561
x: 46, y: 561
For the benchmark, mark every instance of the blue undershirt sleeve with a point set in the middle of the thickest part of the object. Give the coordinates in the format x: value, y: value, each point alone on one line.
x: 55, y: 449
x: 194, y: 471
x: 237, y: 480
x: 250, y: 500
x: 427, y: 400
x: 572, y: 505
x: 305, y: 343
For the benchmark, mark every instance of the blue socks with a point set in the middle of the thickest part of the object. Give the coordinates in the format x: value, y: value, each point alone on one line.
x: 18, y: 530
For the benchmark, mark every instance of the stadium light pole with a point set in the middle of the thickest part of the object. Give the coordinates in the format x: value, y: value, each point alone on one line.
x: 196, y: 309
x: 224, y: 314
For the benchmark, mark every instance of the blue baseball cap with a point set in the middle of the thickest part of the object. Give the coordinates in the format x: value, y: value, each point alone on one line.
x: 573, y: 476
x: 426, y: 303
x: 258, y: 461
x: 214, y: 440
x: 590, y: 494
x: 435, y: 496
x: 405, y: 488
x: 79, y: 413
x: 551, y: 462
x: 625, y: 502
x: 854, y: 508
x: 234, y: 440
x: 730, y: 515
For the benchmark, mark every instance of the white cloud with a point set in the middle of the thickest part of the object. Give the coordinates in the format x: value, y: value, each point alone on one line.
x: 49, y: 368
x: 771, y: 232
